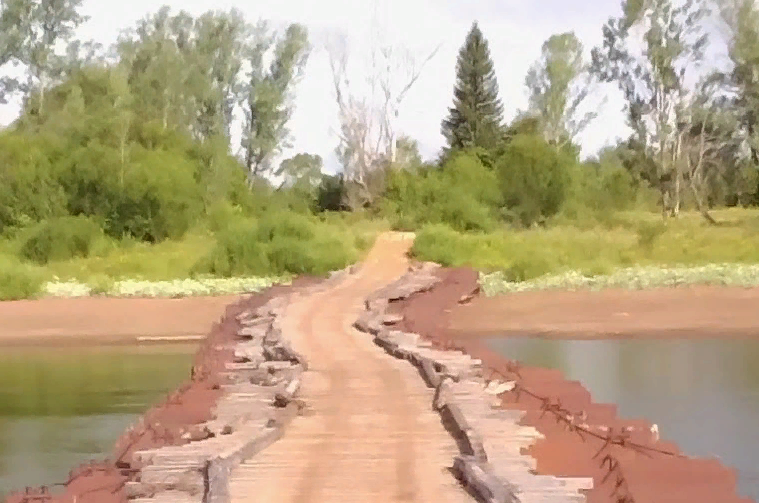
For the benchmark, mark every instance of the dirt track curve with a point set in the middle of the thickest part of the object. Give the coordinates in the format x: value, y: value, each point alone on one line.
x: 371, y: 434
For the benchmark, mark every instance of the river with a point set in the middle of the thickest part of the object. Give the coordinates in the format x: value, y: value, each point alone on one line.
x: 703, y: 394
x: 63, y: 406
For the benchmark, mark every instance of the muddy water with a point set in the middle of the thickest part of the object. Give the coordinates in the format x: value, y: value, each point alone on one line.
x: 60, y: 407
x: 703, y: 394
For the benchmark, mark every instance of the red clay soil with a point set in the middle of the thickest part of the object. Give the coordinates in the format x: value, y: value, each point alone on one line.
x: 164, y: 424
x: 640, y: 477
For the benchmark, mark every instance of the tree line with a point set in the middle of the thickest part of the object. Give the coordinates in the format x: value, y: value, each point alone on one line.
x: 138, y: 136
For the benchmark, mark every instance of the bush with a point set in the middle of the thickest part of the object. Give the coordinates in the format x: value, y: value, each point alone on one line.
x: 280, y: 243
x: 534, y: 179
x: 285, y: 224
x: 238, y: 252
x: 61, y: 238
x: 462, y: 194
x: 18, y: 280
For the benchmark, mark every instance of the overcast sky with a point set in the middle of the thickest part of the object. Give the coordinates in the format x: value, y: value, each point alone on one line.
x: 514, y: 29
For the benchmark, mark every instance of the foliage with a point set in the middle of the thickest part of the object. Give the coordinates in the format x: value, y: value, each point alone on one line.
x: 630, y: 278
x: 534, y: 179
x: 61, y: 238
x: 477, y: 112
x: 18, y: 280
x: 120, y: 166
x: 462, y: 193
x: 630, y: 239
x: 558, y: 86
x: 174, y: 288
x: 279, y: 243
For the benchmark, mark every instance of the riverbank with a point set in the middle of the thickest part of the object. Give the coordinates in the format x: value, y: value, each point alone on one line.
x: 645, y: 474
x: 105, y: 320
x: 696, y: 311
x: 169, y: 422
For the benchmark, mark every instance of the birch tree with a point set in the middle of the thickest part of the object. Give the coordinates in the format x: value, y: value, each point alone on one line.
x: 559, y: 83
x: 29, y: 33
x: 655, y: 82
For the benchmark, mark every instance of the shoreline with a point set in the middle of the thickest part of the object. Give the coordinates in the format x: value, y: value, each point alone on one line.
x: 694, y: 312
x: 190, y: 404
x: 563, y: 452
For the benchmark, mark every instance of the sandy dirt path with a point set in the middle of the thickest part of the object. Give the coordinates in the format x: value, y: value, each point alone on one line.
x: 698, y: 311
x: 371, y: 434
x: 107, y: 320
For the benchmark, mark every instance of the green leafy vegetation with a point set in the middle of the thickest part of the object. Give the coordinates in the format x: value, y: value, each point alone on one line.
x: 121, y: 175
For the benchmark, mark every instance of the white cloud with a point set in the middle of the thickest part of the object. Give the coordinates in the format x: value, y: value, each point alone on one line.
x: 515, y: 31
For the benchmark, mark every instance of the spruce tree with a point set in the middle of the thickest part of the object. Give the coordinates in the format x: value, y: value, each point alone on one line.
x: 475, y: 118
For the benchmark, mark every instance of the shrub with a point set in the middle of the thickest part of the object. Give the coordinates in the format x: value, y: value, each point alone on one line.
x: 534, y: 178
x: 61, y: 238
x: 238, y: 252
x: 18, y: 280
x: 462, y: 194
x: 280, y: 243
x: 285, y: 224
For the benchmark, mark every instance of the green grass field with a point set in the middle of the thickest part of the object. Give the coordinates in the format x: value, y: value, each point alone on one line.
x: 634, y: 249
x: 628, y: 249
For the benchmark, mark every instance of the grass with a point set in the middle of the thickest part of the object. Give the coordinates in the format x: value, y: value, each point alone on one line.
x: 628, y: 250
x: 634, y: 250
x: 178, y: 267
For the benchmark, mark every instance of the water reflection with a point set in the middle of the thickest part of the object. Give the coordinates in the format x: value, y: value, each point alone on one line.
x: 60, y: 407
x: 703, y: 394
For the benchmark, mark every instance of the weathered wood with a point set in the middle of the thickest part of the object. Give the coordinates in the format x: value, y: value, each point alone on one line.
x: 285, y: 396
x: 481, y: 481
x: 430, y: 375
x: 220, y: 467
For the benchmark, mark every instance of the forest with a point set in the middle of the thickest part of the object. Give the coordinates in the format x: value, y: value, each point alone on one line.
x: 123, y: 163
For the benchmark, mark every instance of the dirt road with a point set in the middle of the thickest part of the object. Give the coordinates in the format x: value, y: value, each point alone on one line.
x: 371, y: 434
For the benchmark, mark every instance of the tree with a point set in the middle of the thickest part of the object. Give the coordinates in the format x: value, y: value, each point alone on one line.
x: 30, y: 30
x: 534, y: 179
x: 303, y: 171
x: 477, y: 113
x: 267, y: 94
x: 559, y: 84
x: 220, y: 43
x: 655, y: 83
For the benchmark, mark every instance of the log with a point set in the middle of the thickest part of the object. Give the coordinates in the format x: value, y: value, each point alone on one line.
x: 285, y: 396
x: 430, y: 375
x: 284, y: 353
x: 136, y: 490
x: 480, y: 480
x: 219, y: 468
x: 467, y: 438
x: 442, y: 393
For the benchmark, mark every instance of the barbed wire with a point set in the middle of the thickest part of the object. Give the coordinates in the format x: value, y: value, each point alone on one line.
x: 510, y: 370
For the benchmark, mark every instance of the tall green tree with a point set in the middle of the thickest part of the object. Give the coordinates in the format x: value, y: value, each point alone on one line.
x: 656, y: 81
x: 476, y: 116
x: 558, y: 86
x: 267, y: 98
x: 742, y: 20
x: 30, y: 30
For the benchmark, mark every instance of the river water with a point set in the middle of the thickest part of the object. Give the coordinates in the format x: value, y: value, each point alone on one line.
x: 63, y: 406
x: 703, y: 394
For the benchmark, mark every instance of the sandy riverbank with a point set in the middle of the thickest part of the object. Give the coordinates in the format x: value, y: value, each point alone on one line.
x: 647, y: 478
x: 693, y: 312
x: 104, y: 320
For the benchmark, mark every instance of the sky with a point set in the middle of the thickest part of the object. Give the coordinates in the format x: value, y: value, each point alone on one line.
x: 515, y: 31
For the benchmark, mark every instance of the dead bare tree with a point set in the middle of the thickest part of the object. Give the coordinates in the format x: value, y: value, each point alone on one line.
x: 367, y: 123
x: 705, y: 143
